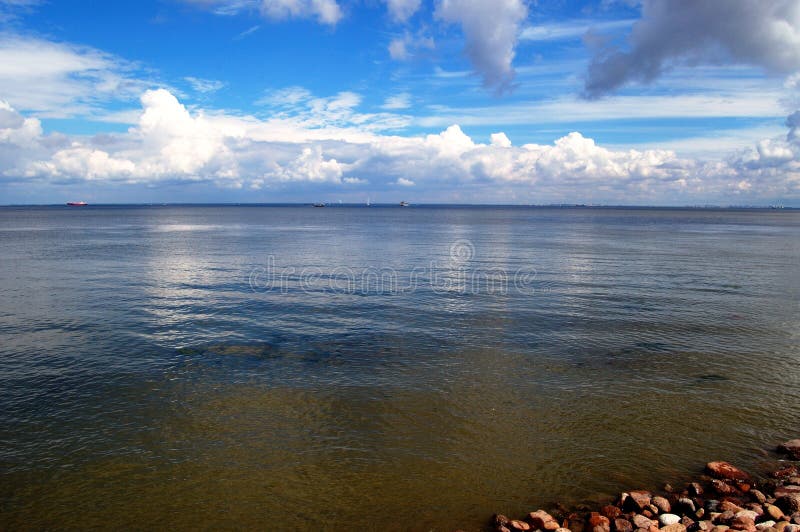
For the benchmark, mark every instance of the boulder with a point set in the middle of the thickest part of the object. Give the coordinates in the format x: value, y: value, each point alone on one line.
x: 723, y: 488
x: 765, y: 524
x: 773, y: 512
x: 743, y: 523
x: 787, y: 490
x: 791, y: 447
x: 677, y: 527
x: 662, y: 504
x: 542, y: 520
x: 750, y: 514
x: 611, y: 511
x: 669, y: 519
x: 727, y: 471
x: 758, y: 496
x: 515, y: 524
x: 641, y: 521
x: 786, y: 472
x: 636, y: 501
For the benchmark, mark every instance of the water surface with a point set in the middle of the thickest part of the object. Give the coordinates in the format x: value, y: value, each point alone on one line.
x: 403, y: 369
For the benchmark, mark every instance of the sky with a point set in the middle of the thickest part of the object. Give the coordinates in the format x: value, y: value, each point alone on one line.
x: 651, y: 102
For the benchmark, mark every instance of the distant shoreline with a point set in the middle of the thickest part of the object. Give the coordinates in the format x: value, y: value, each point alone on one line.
x: 429, y: 205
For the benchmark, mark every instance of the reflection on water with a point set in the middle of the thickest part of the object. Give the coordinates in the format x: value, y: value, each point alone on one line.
x: 143, y: 383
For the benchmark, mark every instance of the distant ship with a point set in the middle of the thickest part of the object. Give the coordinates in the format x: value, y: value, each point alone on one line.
x: 404, y: 204
x: 77, y: 204
x: 319, y: 205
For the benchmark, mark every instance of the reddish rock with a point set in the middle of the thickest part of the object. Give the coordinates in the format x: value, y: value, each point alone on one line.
x: 599, y: 521
x: 695, y: 489
x: 774, y: 512
x: 786, y: 472
x: 791, y: 447
x: 502, y: 528
x: 500, y: 520
x: 723, y: 488
x: 611, y: 511
x: 727, y: 471
x: 677, y: 527
x: 758, y: 496
x: 662, y: 504
x: 786, y: 490
x: 641, y: 521
x: 636, y: 501
x: 743, y: 523
x: 622, y: 525
x: 728, y: 506
x: 518, y: 525
x: 542, y: 520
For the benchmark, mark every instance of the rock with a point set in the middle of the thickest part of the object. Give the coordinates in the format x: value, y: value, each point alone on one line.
x: 662, y: 504
x: 791, y: 447
x: 728, y: 506
x: 705, y: 525
x: 723, y: 488
x: 796, y: 519
x: 721, y: 528
x: 789, y: 504
x: 685, y: 505
x: 599, y: 523
x: 712, y: 505
x: 791, y: 528
x: 610, y: 511
x: 500, y: 520
x: 542, y: 520
x: 641, y: 521
x: 669, y: 519
x: 623, y: 525
x: 727, y: 471
x: 725, y: 517
x: 757, y: 508
x: 502, y: 528
x: 575, y: 523
x: 636, y: 501
x: 750, y: 514
x: 758, y: 496
x: 562, y: 530
x: 765, y: 524
x: 780, y: 525
x: 515, y: 524
x: 786, y: 472
x: 677, y: 527
x: 695, y: 489
x: 787, y: 490
x: 743, y: 523
x: 774, y: 512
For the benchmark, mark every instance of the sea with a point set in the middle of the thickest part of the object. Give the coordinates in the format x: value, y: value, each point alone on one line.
x: 284, y: 367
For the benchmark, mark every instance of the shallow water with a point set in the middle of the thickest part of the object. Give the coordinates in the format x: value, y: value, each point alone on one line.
x: 404, y: 369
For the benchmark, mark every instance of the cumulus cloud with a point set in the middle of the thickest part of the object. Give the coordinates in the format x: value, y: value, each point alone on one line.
x: 491, y: 28
x: 406, y: 46
x: 204, y: 86
x: 670, y: 32
x: 172, y: 144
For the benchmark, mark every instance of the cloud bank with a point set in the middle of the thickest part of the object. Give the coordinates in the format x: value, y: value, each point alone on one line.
x: 671, y: 32
x: 322, y: 146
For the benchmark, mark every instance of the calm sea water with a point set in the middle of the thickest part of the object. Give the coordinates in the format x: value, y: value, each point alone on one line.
x: 382, y: 368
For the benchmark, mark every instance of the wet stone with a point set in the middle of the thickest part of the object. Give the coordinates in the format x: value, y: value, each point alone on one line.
x: 791, y: 447
x: 743, y: 523
x: 758, y: 496
x: 622, y: 525
x: 662, y: 504
x: 636, y: 501
x: 727, y: 471
x: 669, y: 519
x: 677, y: 527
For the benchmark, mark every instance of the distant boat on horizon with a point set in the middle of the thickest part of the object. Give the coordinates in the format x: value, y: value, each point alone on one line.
x: 319, y: 205
x: 77, y: 204
x: 404, y: 204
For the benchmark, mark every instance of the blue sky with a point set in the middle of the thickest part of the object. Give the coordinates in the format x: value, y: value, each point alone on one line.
x: 477, y: 101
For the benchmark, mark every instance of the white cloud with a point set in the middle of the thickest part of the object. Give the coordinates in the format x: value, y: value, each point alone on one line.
x: 204, y: 86
x: 402, y: 10
x: 398, y: 101
x: 407, y: 46
x: 61, y: 80
x: 572, y: 29
x: 670, y: 32
x: 490, y: 29
x: 324, y: 11
x: 170, y: 143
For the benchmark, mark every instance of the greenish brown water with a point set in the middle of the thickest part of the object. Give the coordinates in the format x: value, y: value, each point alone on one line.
x: 146, y: 384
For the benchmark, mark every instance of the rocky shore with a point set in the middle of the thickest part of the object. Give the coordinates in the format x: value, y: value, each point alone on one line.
x: 724, y: 498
